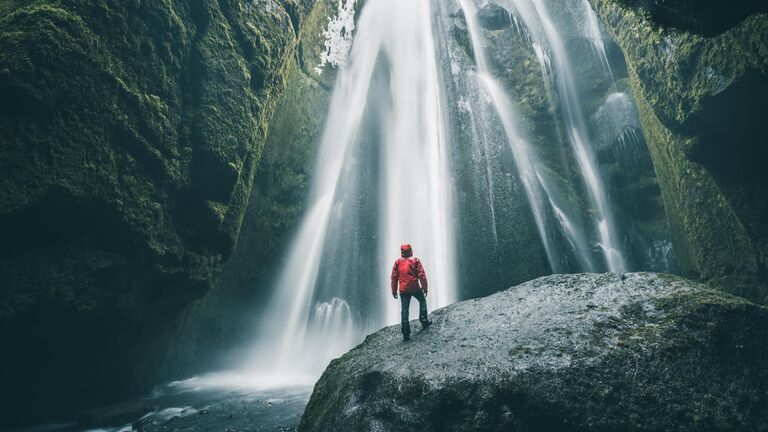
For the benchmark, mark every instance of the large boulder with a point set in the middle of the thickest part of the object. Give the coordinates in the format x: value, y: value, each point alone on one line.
x: 598, y: 352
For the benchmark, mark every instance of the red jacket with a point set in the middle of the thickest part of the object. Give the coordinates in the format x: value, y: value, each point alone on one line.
x: 409, y: 272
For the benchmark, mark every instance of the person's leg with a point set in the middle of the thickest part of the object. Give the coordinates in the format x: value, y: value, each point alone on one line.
x: 422, y: 309
x: 405, y: 325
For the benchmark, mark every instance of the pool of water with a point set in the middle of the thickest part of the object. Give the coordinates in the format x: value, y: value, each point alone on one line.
x: 215, y: 402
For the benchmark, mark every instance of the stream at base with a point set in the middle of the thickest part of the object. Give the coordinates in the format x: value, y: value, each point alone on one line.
x: 225, y: 401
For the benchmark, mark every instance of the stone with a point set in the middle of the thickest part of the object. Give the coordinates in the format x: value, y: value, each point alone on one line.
x: 130, y: 134
x: 701, y: 106
x: 493, y: 17
x: 598, y: 352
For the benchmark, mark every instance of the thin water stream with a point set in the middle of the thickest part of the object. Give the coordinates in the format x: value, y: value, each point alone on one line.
x: 536, y: 15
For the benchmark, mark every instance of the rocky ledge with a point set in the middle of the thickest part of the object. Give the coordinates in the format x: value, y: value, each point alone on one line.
x: 634, y: 352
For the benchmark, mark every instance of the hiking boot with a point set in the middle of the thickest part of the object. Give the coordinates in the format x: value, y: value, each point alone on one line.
x: 425, y: 324
x: 406, y: 338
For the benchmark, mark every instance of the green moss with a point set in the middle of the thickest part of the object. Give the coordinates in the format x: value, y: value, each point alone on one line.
x: 133, y: 106
x: 312, y: 42
x: 676, y: 77
x: 273, y: 210
x: 130, y: 134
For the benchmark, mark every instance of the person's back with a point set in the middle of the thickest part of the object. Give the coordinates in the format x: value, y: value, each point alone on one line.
x: 410, y: 280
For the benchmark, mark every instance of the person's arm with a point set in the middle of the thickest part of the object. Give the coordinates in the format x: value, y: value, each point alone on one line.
x: 394, y: 278
x: 422, y: 276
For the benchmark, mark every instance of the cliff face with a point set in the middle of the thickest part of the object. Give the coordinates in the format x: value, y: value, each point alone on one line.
x: 701, y: 89
x: 211, y: 330
x: 705, y: 17
x: 130, y: 135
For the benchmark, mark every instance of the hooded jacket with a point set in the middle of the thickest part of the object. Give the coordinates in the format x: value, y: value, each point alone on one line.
x: 408, y: 272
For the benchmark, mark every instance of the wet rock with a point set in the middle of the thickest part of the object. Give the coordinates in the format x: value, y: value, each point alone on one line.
x: 705, y: 17
x: 493, y: 17
x: 130, y: 135
x: 643, y: 352
x: 111, y: 415
x: 701, y: 104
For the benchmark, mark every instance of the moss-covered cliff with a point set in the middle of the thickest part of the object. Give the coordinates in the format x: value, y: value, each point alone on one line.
x: 701, y: 96
x: 213, y: 329
x: 130, y: 133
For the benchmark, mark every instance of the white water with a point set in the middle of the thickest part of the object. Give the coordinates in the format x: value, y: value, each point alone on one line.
x: 386, y: 127
x: 416, y: 182
x: 595, y: 35
x: 536, y: 16
x: 391, y: 78
x: 526, y: 160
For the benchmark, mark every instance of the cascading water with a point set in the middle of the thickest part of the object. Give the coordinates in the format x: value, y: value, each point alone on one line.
x: 596, y: 36
x: 384, y: 177
x: 542, y: 202
x: 535, y: 14
x: 416, y: 181
x: 384, y: 137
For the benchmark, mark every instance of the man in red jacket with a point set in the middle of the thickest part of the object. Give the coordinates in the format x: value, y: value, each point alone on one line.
x: 409, y: 272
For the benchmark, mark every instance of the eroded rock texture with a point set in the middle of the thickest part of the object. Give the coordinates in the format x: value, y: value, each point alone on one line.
x: 702, y: 106
x: 202, y: 340
x: 130, y: 135
x: 588, y: 352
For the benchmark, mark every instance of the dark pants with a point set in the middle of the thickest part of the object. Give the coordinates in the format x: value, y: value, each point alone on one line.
x: 405, y: 302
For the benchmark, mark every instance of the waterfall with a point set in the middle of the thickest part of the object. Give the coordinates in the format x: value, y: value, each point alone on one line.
x: 522, y: 154
x: 384, y: 173
x: 416, y: 181
x: 542, y: 203
x: 536, y: 17
x: 381, y: 179
x: 596, y: 37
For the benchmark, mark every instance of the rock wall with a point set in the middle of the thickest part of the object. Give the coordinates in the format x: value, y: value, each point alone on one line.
x: 495, y: 227
x: 507, y: 249
x: 701, y: 95
x: 214, y: 330
x: 705, y: 17
x: 130, y: 136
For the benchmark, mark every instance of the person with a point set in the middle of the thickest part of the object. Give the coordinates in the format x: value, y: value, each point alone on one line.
x: 407, y: 274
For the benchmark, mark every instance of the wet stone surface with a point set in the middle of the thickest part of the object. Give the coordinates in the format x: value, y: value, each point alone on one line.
x: 598, y: 352
x: 198, y: 404
x: 493, y: 17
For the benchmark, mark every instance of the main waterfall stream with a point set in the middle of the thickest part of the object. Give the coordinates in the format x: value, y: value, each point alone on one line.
x: 382, y: 179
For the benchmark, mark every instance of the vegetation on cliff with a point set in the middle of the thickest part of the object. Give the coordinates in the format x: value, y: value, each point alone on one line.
x: 701, y: 102
x: 130, y: 135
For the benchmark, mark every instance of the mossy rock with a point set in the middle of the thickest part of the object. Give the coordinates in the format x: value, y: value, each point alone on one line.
x: 130, y: 133
x: 585, y: 352
x: 701, y: 103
